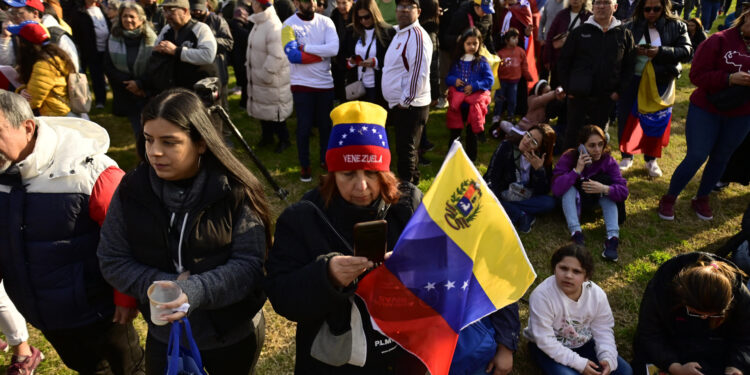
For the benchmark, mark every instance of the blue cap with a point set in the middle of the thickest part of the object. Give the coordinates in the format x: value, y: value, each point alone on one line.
x: 36, y: 4
x: 485, y: 4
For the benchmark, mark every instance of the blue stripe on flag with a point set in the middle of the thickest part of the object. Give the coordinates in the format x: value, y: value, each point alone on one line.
x: 357, y: 135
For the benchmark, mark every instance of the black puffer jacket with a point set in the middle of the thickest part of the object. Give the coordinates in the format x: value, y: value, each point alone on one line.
x: 666, y: 335
x: 502, y: 171
x: 460, y: 22
x: 593, y: 62
x: 297, y: 279
x: 675, y: 46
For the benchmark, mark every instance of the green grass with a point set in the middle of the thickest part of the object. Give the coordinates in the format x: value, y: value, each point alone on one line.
x: 646, y: 240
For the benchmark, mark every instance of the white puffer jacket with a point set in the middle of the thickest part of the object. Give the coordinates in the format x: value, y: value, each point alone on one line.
x: 269, y: 95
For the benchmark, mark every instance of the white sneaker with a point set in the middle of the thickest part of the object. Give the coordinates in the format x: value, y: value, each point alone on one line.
x: 652, y: 167
x: 626, y: 163
x: 442, y: 103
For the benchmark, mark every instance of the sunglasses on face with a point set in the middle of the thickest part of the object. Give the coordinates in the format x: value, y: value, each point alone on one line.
x: 364, y: 18
x: 703, y: 316
x: 651, y: 9
x: 405, y: 7
x: 531, y: 139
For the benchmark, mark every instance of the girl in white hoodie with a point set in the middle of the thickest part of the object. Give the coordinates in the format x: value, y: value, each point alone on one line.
x: 570, y: 321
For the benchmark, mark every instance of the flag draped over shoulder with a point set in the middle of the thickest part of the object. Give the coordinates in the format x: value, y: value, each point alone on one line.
x: 458, y: 260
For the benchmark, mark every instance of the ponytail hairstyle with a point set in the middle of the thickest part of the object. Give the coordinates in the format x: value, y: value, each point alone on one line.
x: 706, y: 285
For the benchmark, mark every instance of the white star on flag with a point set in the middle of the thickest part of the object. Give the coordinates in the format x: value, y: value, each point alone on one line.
x: 450, y: 284
x: 383, y: 143
x: 351, y: 129
x: 364, y: 128
x: 430, y: 286
x: 341, y: 143
x: 343, y: 136
x: 466, y: 285
x: 380, y: 136
x: 374, y: 130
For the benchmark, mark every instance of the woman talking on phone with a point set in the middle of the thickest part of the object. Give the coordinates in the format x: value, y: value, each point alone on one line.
x: 312, y: 269
x: 586, y: 176
x: 191, y: 213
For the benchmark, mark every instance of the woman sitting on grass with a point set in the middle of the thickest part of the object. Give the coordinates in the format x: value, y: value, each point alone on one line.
x: 589, y: 175
x: 695, y: 318
x: 520, y: 172
x: 570, y: 321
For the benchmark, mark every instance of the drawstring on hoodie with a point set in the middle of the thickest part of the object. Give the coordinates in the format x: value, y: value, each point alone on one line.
x: 178, y: 265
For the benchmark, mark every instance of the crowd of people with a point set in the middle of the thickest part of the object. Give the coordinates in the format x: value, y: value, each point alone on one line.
x: 82, y: 241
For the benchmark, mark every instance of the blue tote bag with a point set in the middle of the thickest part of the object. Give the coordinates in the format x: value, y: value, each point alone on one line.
x: 181, y: 360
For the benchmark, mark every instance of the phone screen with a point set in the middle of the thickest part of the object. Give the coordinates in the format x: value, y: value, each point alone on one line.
x: 370, y: 239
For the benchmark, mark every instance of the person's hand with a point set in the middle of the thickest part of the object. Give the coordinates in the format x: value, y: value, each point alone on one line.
x: 468, y: 89
x: 560, y: 94
x: 690, y: 368
x: 344, y: 269
x: 614, y: 96
x: 177, y: 315
x: 5, y: 33
x: 387, y: 255
x: 166, y: 47
x: 240, y: 13
x: 590, y: 369
x: 131, y: 86
x: 529, y: 28
x: 367, y: 63
x: 124, y: 315
x: 26, y: 94
x: 583, y: 159
x: 732, y: 371
x: 640, y: 51
x: 594, y: 187
x: 605, y: 367
x: 652, y: 52
x: 536, y: 161
x: 739, y: 78
x: 501, y: 363
x: 460, y: 82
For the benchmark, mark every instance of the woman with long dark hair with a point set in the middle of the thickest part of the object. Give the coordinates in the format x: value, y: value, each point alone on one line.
x: 191, y: 213
x: 718, y: 119
x: 520, y: 175
x: 128, y: 48
x: 44, y: 68
x: 662, y: 38
x: 368, y: 38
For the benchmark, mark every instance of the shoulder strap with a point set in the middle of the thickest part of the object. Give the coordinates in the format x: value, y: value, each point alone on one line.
x: 325, y: 220
x: 367, y: 52
x: 578, y: 17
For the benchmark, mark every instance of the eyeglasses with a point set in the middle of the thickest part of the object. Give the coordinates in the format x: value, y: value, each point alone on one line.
x: 702, y: 316
x: 531, y: 139
x: 364, y: 18
x: 651, y: 9
x: 170, y: 9
x: 405, y: 7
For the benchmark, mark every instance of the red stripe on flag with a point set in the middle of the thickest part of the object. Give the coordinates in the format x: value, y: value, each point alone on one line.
x: 406, y: 319
x: 633, y: 140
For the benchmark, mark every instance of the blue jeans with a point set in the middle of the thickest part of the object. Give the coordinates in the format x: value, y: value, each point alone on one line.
x: 508, y: 91
x: 710, y: 12
x: 609, y: 211
x: 313, y: 110
x: 588, y: 351
x: 711, y: 136
x: 535, y: 205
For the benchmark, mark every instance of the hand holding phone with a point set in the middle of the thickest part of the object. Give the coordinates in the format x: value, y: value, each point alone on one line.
x: 370, y: 240
x: 584, y: 159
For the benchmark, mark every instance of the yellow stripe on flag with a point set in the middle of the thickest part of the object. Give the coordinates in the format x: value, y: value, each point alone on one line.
x: 461, y: 203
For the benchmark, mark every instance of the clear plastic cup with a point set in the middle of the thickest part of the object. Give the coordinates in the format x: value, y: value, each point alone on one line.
x: 161, y: 292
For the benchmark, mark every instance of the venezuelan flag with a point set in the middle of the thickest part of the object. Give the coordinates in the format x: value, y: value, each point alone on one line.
x: 458, y: 260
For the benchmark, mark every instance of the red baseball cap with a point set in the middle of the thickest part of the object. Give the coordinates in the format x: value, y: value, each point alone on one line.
x: 36, y: 4
x: 31, y: 31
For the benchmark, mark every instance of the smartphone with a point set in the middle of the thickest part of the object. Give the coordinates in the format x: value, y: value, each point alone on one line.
x: 646, y: 46
x: 582, y: 150
x: 370, y: 240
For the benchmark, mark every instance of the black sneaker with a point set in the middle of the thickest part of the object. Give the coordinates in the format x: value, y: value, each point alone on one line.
x: 481, y: 137
x: 427, y: 146
x: 283, y: 145
x: 525, y: 223
x: 577, y: 238
x: 610, y: 249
